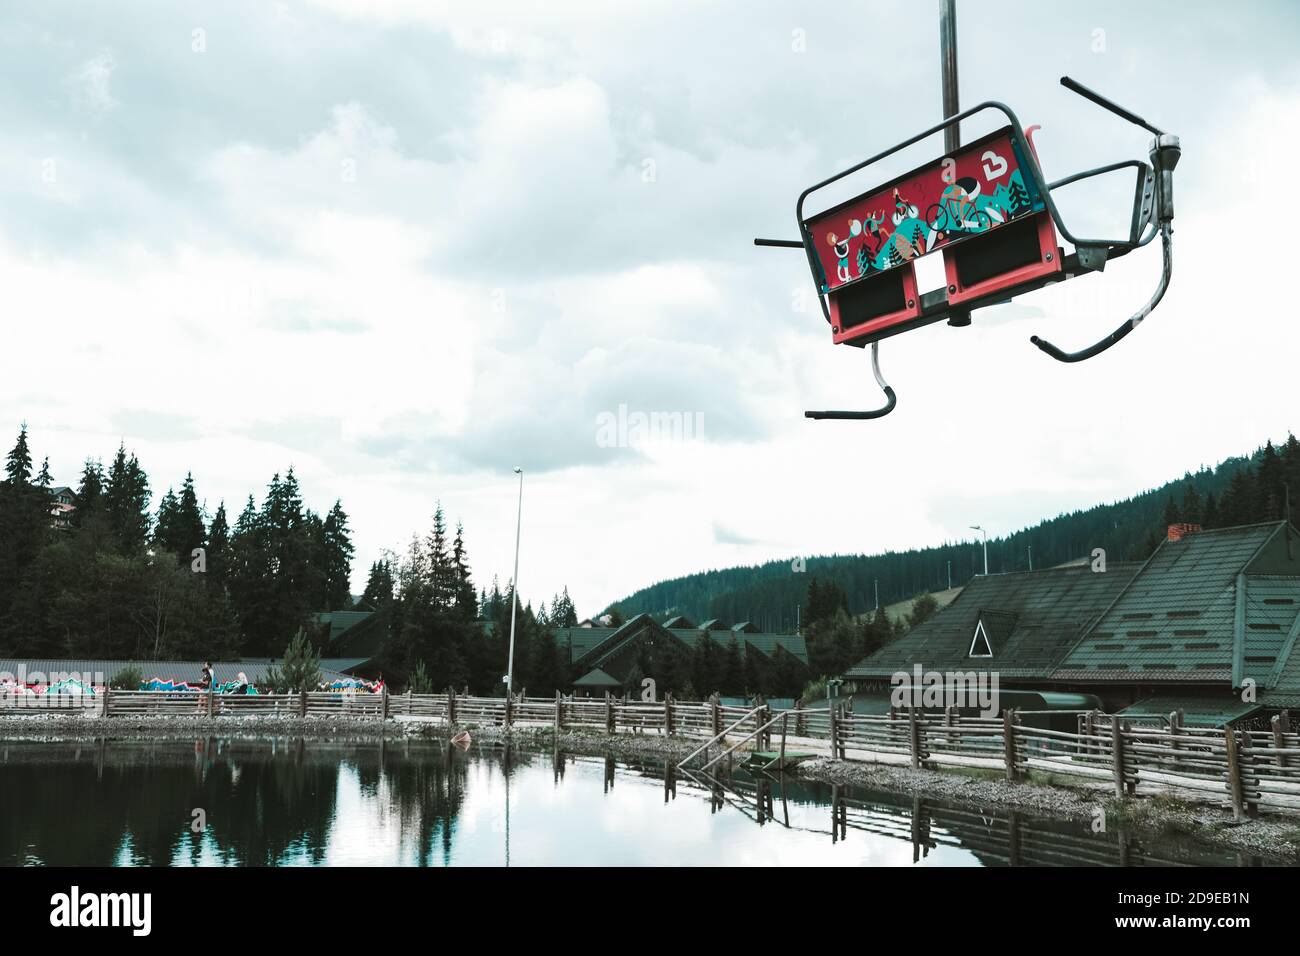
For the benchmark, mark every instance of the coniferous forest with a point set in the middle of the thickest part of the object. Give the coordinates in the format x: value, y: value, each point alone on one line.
x: 1237, y: 491
x: 119, y: 576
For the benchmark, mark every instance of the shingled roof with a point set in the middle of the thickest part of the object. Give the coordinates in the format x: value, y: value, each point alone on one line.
x: 1029, y: 618
x: 590, y: 645
x: 1214, y: 606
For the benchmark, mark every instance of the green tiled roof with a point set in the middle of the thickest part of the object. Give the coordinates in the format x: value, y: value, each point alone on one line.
x: 1198, y: 711
x: 1031, y: 618
x: 596, y: 678
x: 591, y: 646
x: 1210, y: 607
x: 582, y: 640
x: 341, y: 621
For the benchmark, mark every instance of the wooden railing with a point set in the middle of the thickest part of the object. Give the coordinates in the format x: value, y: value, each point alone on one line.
x: 1243, y: 768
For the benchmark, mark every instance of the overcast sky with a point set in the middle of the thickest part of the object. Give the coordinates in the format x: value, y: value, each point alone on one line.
x: 405, y: 246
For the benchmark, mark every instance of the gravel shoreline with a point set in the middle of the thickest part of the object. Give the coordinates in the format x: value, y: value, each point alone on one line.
x: 1276, y: 838
x: 69, y: 727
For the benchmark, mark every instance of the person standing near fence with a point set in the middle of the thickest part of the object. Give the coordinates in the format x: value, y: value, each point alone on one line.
x: 205, y: 684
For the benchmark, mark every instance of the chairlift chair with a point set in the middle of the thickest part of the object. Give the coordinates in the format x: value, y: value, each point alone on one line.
x: 989, y: 210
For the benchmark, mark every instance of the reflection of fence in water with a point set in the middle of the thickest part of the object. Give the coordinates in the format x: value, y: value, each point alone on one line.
x: 1246, y: 768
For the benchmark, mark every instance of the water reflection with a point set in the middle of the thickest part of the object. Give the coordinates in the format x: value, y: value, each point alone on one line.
x: 311, y: 803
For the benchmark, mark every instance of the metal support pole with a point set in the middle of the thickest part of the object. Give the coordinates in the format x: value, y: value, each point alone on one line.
x: 948, y: 60
x: 951, y: 104
x: 514, y: 591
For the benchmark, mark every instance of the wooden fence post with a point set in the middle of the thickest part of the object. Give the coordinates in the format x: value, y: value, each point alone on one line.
x: 509, y: 709
x: 302, y: 703
x: 1175, y: 729
x: 1279, y: 740
x: 210, y: 696
x: 410, y: 698
x: 717, y: 715
x: 1249, y: 779
x: 1234, y: 771
x: 383, y: 703
x: 835, y: 747
x: 914, y: 738
x: 1117, y: 754
x: 798, y: 718
x: 609, y: 713
x: 949, y: 718
x: 1009, y: 742
x: 668, y: 715
x: 104, y: 707
x: 559, y: 718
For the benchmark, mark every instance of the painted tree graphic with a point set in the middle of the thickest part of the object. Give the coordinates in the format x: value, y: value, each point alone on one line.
x: 864, y: 260
x: 1018, y: 196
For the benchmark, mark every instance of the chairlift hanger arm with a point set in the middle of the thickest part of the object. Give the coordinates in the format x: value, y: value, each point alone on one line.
x: 891, y: 398
x: 1130, y: 324
x: 1121, y: 112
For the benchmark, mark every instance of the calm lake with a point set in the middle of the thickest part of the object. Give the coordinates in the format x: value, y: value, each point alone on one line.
x: 290, y: 802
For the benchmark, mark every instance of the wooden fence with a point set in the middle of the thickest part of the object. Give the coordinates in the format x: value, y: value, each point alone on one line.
x: 1247, y: 769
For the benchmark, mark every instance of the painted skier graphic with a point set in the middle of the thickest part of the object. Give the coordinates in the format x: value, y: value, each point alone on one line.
x: 966, y: 194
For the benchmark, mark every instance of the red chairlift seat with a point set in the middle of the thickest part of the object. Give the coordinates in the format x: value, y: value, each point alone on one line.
x: 988, y: 210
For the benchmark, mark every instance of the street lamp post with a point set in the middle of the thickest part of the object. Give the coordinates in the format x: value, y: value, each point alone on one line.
x: 514, y: 589
x: 976, y: 527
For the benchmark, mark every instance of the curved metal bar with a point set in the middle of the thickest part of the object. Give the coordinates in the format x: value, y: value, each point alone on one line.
x: 1099, y: 171
x: 892, y: 399
x: 1129, y: 325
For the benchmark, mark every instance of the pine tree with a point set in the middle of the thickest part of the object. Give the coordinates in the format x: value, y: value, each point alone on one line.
x: 126, y: 502
x: 219, y: 550
x: 24, y: 522
x: 1210, y: 516
x: 165, y: 531
x: 465, y: 601
x: 190, y: 532
x: 877, y: 633
x: 1192, y: 509
x: 379, y: 585
x: 1270, y: 492
x: 337, y: 558
x: 442, y: 577
x: 563, y: 613
x: 18, y: 465
x: 90, y: 493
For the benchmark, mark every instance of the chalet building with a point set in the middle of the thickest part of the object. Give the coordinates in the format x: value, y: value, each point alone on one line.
x: 1208, y: 625
x: 63, y: 501
x: 605, y: 657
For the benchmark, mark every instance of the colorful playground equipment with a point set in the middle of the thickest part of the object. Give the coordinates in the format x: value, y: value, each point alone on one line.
x: 70, y: 686
x: 354, y: 684
x: 185, y: 687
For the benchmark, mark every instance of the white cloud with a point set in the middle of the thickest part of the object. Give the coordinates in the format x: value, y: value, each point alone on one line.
x: 93, y: 83
x: 406, y: 246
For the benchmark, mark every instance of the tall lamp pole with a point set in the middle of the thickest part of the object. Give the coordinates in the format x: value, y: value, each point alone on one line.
x: 976, y: 527
x: 514, y: 588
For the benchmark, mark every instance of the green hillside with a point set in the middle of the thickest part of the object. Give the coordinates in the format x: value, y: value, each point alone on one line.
x: 1237, y: 491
